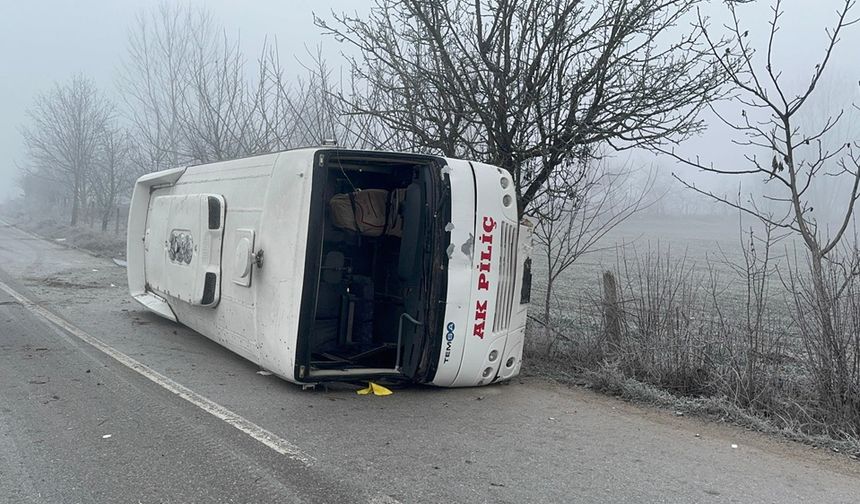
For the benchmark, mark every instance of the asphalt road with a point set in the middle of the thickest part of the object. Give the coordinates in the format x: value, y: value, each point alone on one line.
x: 76, y: 425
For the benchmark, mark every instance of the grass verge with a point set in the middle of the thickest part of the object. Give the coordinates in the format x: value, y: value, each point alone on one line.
x: 51, y: 228
x: 608, y: 379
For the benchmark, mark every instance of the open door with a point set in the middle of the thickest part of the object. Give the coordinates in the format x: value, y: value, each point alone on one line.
x: 183, y: 247
x: 369, y: 295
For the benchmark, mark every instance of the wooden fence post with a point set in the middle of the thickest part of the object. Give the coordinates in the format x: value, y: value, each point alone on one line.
x: 611, y: 312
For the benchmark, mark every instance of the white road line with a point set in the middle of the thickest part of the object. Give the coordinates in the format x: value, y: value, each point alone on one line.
x: 262, y: 435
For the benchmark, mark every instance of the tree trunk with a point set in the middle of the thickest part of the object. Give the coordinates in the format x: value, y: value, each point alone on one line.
x: 75, y: 202
x: 546, y: 303
x: 547, y: 327
x: 823, y: 300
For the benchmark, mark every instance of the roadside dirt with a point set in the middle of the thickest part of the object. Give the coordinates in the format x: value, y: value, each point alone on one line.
x: 701, y: 428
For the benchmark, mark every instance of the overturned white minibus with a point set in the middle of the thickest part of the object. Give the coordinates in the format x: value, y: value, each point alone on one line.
x: 331, y: 264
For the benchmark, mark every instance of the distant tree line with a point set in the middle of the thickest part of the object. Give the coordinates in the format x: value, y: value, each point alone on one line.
x: 185, y: 95
x: 536, y: 86
x: 78, y: 151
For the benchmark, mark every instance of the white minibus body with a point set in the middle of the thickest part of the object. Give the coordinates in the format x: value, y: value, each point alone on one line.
x: 332, y: 264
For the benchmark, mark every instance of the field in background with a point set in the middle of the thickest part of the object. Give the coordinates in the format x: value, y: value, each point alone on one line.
x: 699, y: 243
x: 703, y: 324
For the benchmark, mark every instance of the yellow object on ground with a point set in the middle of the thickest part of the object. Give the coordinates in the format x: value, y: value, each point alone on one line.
x: 374, y: 388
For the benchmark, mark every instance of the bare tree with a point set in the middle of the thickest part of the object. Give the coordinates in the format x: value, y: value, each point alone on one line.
x: 111, y: 175
x: 191, y: 99
x: 529, y: 85
x: 154, y: 80
x: 794, y: 160
x: 63, y: 136
x: 216, y: 111
x: 302, y: 111
x: 579, y: 206
x: 829, y: 99
x: 296, y: 111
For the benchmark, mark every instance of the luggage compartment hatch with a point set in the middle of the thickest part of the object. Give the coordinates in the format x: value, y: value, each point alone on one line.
x: 183, y: 247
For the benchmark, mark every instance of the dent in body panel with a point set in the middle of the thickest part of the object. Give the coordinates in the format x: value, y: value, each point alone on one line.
x: 468, y: 247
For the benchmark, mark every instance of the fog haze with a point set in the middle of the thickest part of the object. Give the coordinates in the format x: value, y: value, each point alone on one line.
x: 45, y: 42
x: 718, y: 279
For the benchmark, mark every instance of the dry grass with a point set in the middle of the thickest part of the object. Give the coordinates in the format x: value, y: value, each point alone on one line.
x: 51, y: 225
x: 733, y: 343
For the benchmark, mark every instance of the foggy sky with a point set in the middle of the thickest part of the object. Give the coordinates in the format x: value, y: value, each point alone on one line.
x: 48, y: 41
x: 43, y: 42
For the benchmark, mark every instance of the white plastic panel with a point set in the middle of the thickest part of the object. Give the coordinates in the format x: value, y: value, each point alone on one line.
x: 460, y: 258
x: 243, y: 257
x: 495, y: 205
x: 183, y: 246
